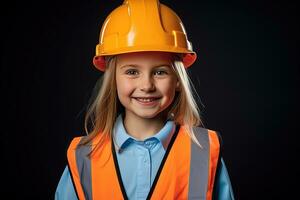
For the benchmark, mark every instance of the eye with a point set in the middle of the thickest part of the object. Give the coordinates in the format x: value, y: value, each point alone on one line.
x: 131, y: 72
x: 160, y: 72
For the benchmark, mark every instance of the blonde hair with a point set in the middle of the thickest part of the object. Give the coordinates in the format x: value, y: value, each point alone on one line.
x: 104, y: 105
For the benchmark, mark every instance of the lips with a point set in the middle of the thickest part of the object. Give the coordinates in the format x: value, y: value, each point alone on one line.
x: 145, y: 97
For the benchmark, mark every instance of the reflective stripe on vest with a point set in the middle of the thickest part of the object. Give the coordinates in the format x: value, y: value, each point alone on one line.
x: 186, y: 171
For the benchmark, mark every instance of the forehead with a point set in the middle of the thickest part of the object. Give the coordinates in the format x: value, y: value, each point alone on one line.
x: 147, y: 58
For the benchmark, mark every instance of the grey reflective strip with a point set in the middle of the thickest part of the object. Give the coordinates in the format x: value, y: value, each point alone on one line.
x: 199, y: 165
x: 84, y: 169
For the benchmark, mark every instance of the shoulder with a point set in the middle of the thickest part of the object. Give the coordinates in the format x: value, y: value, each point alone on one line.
x: 213, y: 136
x: 202, y: 130
x: 83, y: 142
x: 75, y: 142
x: 78, y: 149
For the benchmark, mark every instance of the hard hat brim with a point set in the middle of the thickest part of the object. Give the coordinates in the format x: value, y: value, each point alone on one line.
x: 188, y: 57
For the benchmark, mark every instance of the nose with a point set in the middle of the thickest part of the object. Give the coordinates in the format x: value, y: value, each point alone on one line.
x: 147, y: 84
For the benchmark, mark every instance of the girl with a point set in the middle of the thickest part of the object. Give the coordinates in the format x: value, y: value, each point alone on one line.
x: 145, y: 139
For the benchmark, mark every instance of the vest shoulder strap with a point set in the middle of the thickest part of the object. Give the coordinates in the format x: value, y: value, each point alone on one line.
x: 211, y: 142
x: 73, y: 167
x: 80, y: 162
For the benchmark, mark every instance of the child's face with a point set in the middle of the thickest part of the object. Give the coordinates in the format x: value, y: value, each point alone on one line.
x: 146, y: 83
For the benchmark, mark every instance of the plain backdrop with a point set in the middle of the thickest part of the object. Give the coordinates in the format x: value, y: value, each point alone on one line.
x: 246, y: 76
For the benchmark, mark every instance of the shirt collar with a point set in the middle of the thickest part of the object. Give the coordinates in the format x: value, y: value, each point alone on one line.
x: 122, y: 137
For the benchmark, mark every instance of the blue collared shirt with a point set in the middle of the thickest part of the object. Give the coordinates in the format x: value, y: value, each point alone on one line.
x: 138, y: 162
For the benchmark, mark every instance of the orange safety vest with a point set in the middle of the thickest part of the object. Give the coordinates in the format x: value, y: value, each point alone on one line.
x: 186, y: 171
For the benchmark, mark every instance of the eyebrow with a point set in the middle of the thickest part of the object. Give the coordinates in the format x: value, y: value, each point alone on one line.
x: 137, y: 66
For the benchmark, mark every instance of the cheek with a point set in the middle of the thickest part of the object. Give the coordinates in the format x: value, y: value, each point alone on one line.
x: 124, y: 87
x: 168, y: 88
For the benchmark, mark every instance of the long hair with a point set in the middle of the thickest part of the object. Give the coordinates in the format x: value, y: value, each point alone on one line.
x: 104, y: 105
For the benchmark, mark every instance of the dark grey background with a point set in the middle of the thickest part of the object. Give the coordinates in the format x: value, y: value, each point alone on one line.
x: 247, y: 77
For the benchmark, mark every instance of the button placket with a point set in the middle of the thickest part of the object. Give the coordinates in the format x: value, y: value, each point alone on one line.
x: 143, y: 173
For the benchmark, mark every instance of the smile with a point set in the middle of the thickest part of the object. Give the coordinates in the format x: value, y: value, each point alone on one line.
x: 147, y: 101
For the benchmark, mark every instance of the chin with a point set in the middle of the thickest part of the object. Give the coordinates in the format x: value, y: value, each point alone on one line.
x: 148, y: 116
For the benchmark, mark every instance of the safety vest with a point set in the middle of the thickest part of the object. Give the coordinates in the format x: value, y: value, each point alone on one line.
x: 187, y: 171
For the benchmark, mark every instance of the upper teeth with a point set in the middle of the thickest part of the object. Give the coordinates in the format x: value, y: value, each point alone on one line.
x: 145, y: 99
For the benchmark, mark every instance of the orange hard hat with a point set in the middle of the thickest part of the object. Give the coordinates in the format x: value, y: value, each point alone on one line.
x: 143, y: 25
